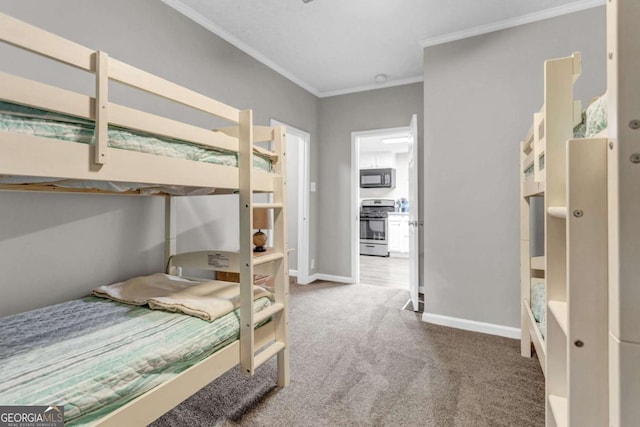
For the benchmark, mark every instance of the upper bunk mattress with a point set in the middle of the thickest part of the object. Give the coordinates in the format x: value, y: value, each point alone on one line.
x: 93, y: 355
x: 16, y: 118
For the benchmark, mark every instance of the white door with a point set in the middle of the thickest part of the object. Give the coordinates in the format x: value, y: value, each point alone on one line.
x: 298, y: 152
x: 414, y: 247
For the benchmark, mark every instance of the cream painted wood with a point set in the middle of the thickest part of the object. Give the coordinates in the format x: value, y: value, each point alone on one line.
x: 39, y: 95
x: 525, y: 257
x: 559, y: 212
x: 260, y: 133
x: 70, y: 160
x: 100, y: 108
x: 530, y: 327
x: 146, y: 122
x: 35, y: 94
x: 34, y: 39
x: 246, y: 244
x: 42, y: 157
x: 558, y: 405
x: 623, y: 93
x: 556, y: 126
x: 170, y: 232
x: 139, y: 79
x: 538, y: 263
x: 587, y: 278
x: 153, y: 404
x: 558, y: 310
x: 281, y: 273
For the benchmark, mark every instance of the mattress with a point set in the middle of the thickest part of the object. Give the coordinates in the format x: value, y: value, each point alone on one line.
x: 16, y: 118
x: 596, y: 116
x: 93, y: 355
x: 538, y: 304
x: 594, y: 119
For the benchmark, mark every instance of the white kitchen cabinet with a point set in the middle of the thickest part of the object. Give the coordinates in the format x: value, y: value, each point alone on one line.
x: 399, y: 234
x: 377, y: 159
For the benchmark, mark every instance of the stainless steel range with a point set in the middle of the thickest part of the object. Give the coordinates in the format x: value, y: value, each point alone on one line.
x: 374, y: 227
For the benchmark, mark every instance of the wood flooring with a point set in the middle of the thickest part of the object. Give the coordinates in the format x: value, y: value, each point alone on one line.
x: 382, y: 271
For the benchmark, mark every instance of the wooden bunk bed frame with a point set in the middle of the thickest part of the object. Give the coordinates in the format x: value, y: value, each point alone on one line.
x: 591, y: 351
x: 98, y: 162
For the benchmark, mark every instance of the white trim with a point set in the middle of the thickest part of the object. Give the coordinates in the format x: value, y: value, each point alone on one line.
x: 331, y: 278
x: 200, y: 19
x: 355, y: 191
x: 293, y: 273
x: 554, y: 12
x: 374, y: 86
x: 355, y: 209
x: 304, y: 178
x: 472, y: 325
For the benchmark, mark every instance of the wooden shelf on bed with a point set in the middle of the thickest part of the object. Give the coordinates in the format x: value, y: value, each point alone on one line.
x: 538, y: 263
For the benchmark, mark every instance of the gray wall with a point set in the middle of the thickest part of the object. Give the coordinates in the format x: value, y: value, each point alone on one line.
x: 339, y: 116
x: 56, y: 247
x: 479, y: 97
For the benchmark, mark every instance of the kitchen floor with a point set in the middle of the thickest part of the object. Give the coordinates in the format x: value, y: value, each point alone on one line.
x: 388, y: 272
x: 383, y: 271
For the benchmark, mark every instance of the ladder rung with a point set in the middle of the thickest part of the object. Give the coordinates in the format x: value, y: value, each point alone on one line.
x: 267, y: 312
x: 263, y: 259
x: 267, y: 206
x: 557, y: 211
x: 267, y: 354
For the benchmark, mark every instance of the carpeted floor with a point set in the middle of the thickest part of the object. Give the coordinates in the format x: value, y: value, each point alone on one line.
x: 357, y: 359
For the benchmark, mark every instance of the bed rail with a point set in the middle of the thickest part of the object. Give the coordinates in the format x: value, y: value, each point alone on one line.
x: 135, y: 167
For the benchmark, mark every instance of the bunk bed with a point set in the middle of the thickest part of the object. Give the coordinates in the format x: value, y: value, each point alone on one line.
x: 579, y: 298
x: 52, y: 139
x: 564, y: 291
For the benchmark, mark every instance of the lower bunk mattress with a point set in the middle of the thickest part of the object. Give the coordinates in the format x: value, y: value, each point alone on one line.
x: 94, y: 355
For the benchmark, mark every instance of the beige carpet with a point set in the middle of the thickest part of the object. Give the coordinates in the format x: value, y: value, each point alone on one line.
x: 359, y: 360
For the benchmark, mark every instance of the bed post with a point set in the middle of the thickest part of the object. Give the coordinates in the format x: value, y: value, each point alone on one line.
x: 101, y: 105
x: 525, y: 261
x: 281, y: 274
x: 169, y: 230
x: 623, y: 95
x: 245, y: 169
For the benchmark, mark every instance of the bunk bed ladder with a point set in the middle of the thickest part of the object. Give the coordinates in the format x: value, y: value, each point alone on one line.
x: 276, y: 256
x: 576, y: 259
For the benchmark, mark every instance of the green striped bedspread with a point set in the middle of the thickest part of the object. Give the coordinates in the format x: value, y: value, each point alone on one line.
x: 17, y: 118
x: 93, y: 356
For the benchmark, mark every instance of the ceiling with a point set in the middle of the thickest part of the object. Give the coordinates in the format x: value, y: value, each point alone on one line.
x: 375, y: 142
x: 332, y: 47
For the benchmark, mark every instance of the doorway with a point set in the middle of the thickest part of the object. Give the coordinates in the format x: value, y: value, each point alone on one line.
x: 298, y: 145
x: 385, y: 207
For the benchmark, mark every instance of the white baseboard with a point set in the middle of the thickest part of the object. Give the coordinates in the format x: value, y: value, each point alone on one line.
x: 472, y: 325
x: 330, y: 278
x: 293, y: 273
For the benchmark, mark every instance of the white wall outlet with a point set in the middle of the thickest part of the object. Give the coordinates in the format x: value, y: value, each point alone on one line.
x: 312, y: 187
x: 313, y: 263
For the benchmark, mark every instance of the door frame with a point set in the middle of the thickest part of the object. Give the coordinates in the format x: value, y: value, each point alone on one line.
x: 302, y: 245
x: 355, y: 192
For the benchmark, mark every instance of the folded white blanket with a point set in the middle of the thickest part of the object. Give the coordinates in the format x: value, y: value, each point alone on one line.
x: 207, y: 300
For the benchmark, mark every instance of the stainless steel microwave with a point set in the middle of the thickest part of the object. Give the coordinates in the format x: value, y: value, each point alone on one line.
x: 378, y: 178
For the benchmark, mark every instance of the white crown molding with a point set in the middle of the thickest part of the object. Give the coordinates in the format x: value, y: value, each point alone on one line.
x: 206, y: 23
x: 513, y: 22
x: 471, y: 325
x: 391, y: 83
